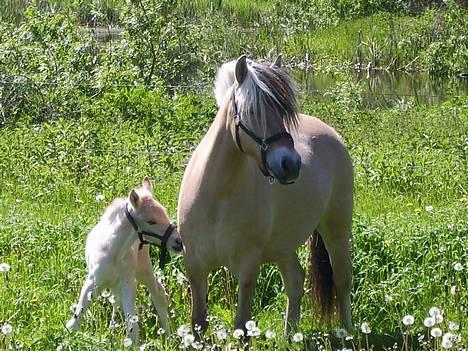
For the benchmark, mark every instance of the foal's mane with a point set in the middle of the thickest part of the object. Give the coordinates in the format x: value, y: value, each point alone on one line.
x: 114, y: 209
x: 265, y: 85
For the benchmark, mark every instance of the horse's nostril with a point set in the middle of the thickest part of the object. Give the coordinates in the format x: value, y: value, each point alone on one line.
x: 178, y: 242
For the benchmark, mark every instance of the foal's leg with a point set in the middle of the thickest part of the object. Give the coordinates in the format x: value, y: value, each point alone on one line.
x: 88, y: 291
x: 145, y: 275
x: 127, y: 297
x: 293, y: 277
x: 336, y: 236
x: 247, y: 275
x: 198, y: 279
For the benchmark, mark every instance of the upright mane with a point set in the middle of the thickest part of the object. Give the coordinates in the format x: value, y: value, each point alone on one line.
x: 263, y: 86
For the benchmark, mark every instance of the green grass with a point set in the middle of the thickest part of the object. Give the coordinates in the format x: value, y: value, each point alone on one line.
x: 409, y: 226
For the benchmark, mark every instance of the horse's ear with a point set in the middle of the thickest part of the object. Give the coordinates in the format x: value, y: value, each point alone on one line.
x: 147, y: 184
x: 241, y: 69
x: 278, y: 62
x: 133, y: 197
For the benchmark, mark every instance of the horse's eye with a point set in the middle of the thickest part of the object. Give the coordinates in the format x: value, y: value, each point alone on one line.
x: 151, y: 222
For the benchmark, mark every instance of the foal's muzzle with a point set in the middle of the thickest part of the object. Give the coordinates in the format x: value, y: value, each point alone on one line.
x: 284, y: 164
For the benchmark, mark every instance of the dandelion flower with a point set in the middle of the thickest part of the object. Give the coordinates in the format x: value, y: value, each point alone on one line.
x: 188, y: 340
x: 197, y: 345
x: 439, y: 318
x: 388, y: 298
x: 134, y: 319
x: 221, y: 334
x: 270, y: 334
x: 7, y: 329
x: 111, y: 299
x: 436, y: 332
x: 100, y: 197
x: 446, y: 344
x: 255, y: 332
x: 458, y: 266
x: 127, y: 342
x: 341, y: 333
x: 4, y: 267
x: 453, y: 326
x: 408, y: 320
x: 238, y: 333
x: 183, y: 330
x: 365, y: 328
x: 249, y: 325
x: 453, y: 290
x: 298, y: 337
x: 429, y: 208
x: 429, y: 322
x: 161, y: 331
x: 448, y: 336
x: 434, y: 311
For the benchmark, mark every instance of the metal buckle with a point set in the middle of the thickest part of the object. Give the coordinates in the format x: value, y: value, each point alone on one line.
x: 263, y: 145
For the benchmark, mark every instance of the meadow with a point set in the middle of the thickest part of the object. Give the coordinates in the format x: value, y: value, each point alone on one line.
x: 83, y: 121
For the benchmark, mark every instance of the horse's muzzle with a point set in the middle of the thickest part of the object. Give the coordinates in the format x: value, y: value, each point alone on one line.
x: 284, y: 164
x: 177, y: 245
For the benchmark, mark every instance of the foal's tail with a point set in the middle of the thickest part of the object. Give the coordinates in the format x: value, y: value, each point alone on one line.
x: 321, y: 285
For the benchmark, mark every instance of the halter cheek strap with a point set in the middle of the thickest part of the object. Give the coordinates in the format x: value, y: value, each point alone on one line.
x: 163, y: 257
x: 264, y: 143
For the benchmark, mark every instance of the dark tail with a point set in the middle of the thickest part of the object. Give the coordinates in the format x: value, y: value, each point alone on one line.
x: 321, y: 285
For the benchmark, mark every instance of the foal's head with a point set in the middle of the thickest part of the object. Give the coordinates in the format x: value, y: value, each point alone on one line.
x: 150, y: 216
x: 264, y: 109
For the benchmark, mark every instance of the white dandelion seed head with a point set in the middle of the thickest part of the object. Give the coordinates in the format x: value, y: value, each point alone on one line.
x: 197, y: 345
x: 161, y: 331
x: 439, y: 318
x: 448, y: 336
x: 270, y: 334
x: 429, y: 322
x: 188, y: 340
x: 453, y: 290
x: 4, y: 267
x: 298, y: 337
x: 221, y: 334
x: 434, y: 311
x: 365, y: 328
x: 127, y: 342
x: 446, y: 344
x: 453, y: 326
x: 429, y: 208
x: 436, y: 332
x: 249, y: 325
x: 111, y: 299
x: 180, y: 278
x: 238, y: 333
x: 134, y: 319
x: 255, y: 332
x: 183, y: 330
x: 341, y: 333
x: 408, y: 320
x: 7, y: 329
x: 458, y: 266
x: 388, y: 298
x: 99, y: 197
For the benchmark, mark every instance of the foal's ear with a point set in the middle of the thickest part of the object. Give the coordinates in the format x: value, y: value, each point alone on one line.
x: 133, y: 197
x: 147, y: 184
x: 278, y: 62
x: 241, y: 69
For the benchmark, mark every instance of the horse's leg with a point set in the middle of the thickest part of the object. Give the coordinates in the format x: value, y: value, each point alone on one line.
x: 127, y: 297
x: 88, y: 291
x: 336, y: 237
x: 144, y: 273
x: 198, y: 279
x: 247, y: 275
x: 293, y: 278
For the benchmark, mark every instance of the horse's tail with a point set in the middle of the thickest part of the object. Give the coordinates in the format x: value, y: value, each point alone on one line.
x: 321, y: 284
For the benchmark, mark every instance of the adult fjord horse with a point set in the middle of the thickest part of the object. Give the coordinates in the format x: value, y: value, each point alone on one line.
x: 262, y: 180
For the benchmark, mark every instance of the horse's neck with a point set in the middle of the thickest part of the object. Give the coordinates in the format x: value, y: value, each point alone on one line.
x: 122, y: 234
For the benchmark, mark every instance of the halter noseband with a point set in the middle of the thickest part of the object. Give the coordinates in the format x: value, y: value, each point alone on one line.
x: 264, y: 143
x: 163, y: 258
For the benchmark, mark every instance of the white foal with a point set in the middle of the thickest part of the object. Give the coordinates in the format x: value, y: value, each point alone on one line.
x: 117, y: 259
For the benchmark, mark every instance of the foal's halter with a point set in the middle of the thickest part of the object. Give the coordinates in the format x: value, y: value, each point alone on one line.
x: 163, y: 257
x: 264, y: 143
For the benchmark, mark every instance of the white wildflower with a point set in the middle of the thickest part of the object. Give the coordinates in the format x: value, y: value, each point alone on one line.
x: 134, y: 319
x: 436, y: 332
x: 197, y: 345
x: 4, y: 267
x: 221, y: 334
x: 458, y: 266
x: 453, y: 290
x: 105, y: 293
x: 183, y: 330
x: 270, y: 334
x: 429, y: 208
x: 388, y: 298
x: 249, y: 325
x: 446, y: 344
x: 429, y: 322
x: 298, y: 337
x: 100, y: 197
x: 408, y: 320
x: 188, y: 340
x: 439, y: 318
x: 127, y: 342
x: 255, y: 332
x: 434, y: 311
x: 365, y: 328
x: 7, y: 329
x: 341, y: 333
x: 453, y: 326
x: 238, y: 333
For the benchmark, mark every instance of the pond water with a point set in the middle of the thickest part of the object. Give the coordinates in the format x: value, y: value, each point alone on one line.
x: 383, y: 88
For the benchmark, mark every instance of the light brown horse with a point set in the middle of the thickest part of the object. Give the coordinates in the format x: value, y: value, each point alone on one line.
x: 262, y: 180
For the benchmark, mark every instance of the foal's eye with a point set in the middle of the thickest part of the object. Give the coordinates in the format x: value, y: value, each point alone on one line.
x: 151, y: 222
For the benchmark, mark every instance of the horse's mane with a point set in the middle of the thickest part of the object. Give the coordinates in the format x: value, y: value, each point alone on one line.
x: 264, y: 85
x: 114, y: 209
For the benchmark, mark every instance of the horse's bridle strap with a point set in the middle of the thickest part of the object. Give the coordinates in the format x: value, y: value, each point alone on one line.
x: 164, y: 238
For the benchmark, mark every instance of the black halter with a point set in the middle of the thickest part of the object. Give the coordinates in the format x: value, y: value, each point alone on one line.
x: 263, y: 143
x: 163, y: 257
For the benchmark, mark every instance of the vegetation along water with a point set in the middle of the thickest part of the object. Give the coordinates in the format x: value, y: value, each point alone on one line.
x: 94, y: 95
